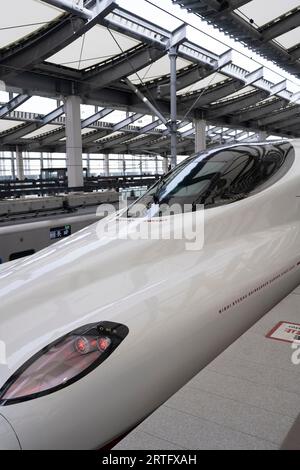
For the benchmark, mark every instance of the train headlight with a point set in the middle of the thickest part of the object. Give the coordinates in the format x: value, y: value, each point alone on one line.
x: 63, y: 362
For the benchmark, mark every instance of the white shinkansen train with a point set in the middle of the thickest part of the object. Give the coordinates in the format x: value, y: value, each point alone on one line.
x: 25, y: 239
x: 98, y: 331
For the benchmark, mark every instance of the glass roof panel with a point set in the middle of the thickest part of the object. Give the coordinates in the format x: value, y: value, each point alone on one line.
x: 4, y: 97
x: 87, y: 110
x: 87, y: 130
x: 186, y: 128
x: 25, y: 17
x: 157, y: 69
x: 244, y: 90
x: 6, y: 124
x: 41, y: 131
x: 159, y: 17
x: 113, y: 134
x: 289, y: 39
x: 94, y: 47
x: 271, y: 9
x: 38, y: 104
x: 114, y: 117
x: 205, y: 82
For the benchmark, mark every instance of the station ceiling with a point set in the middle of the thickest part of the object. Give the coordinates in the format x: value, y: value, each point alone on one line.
x: 52, y: 52
x: 269, y: 27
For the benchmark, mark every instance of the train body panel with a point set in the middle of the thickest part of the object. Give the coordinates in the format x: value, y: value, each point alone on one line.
x: 182, y: 309
x: 20, y: 240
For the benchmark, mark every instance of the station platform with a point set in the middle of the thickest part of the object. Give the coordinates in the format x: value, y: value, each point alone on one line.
x: 248, y: 398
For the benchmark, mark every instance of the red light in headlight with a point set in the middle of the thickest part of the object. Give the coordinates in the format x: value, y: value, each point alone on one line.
x: 85, y: 345
x: 104, y: 343
x: 63, y: 362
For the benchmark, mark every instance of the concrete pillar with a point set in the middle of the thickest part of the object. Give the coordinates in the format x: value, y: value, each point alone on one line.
x: 173, y: 104
x: 262, y: 135
x: 13, y: 168
x: 200, y: 135
x: 19, y: 163
x: 165, y: 165
x: 106, y: 165
x: 41, y: 162
x: 74, y: 142
x: 88, y: 164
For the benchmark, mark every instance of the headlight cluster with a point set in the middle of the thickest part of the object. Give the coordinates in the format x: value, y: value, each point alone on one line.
x: 63, y: 362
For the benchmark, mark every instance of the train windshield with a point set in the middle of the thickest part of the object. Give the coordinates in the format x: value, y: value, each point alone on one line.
x: 217, y: 177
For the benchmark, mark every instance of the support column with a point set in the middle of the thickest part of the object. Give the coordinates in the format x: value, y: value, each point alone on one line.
x: 41, y: 162
x: 74, y: 142
x: 106, y: 165
x: 19, y: 164
x: 13, y: 168
x: 88, y: 164
x: 262, y: 135
x: 173, y: 98
x: 200, y: 135
x: 165, y: 164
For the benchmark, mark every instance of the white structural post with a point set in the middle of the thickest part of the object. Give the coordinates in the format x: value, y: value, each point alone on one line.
x: 165, y: 165
x: 200, y: 135
x: 19, y: 163
x: 262, y: 135
x: 106, y: 165
x: 13, y: 169
x: 74, y: 142
x: 88, y: 164
x: 173, y: 103
x: 41, y: 162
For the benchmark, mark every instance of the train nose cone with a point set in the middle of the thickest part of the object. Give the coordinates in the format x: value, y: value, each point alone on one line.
x: 8, y: 438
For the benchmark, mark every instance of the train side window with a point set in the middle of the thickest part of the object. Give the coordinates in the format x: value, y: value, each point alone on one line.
x: 21, y: 254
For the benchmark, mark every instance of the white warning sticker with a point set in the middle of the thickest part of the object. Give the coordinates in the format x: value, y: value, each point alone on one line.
x: 285, y: 331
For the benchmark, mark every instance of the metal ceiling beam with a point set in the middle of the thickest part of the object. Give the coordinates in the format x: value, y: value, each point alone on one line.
x: 143, y: 141
x: 232, y: 106
x: 95, y: 117
x: 217, y: 6
x: 13, y: 104
x: 294, y: 129
x: 67, y: 81
x: 185, y: 78
x: 122, y: 66
x: 213, y: 93
x: 279, y: 117
x: 293, y: 121
x: 241, y: 29
x: 280, y: 25
x: 47, y: 41
x: 33, y: 126
x: 71, y: 7
x: 150, y: 127
x: 259, y: 111
x: 294, y: 52
x: 116, y: 141
x: 188, y: 132
x: 93, y: 136
x: 59, y: 134
x: 153, y: 109
x: 127, y: 121
x: 234, y: 4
